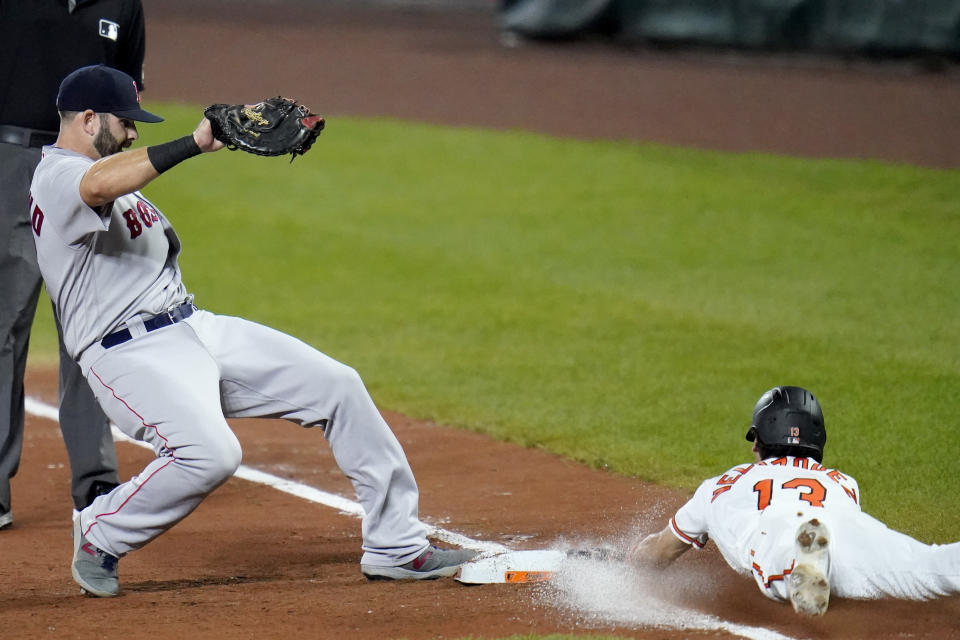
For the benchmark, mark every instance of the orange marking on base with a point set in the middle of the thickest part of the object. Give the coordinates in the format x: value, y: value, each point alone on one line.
x: 527, y: 576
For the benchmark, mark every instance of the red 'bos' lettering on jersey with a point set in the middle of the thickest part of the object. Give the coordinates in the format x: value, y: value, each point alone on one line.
x: 147, y: 213
x: 144, y: 216
x: 132, y: 223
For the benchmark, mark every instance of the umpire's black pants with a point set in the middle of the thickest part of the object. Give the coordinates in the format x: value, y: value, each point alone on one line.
x: 85, y: 429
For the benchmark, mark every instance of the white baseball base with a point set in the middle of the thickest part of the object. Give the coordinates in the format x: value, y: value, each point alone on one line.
x: 512, y: 567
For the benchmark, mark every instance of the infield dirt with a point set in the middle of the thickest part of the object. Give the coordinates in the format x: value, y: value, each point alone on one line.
x: 255, y: 563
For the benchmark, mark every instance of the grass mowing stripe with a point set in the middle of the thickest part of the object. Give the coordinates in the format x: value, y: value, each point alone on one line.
x: 618, y: 303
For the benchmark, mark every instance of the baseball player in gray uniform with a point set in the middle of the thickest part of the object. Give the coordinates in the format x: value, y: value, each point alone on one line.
x: 797, y: 526
x: 168, y: 373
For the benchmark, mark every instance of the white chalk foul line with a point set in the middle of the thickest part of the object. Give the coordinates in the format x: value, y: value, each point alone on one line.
x: 350, y: 507
x: 341, y: 504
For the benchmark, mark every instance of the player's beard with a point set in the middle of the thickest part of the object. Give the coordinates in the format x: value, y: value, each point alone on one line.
x: 105, y: 143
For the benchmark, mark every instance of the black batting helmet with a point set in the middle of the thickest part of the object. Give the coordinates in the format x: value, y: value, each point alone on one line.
x: 789, y: 417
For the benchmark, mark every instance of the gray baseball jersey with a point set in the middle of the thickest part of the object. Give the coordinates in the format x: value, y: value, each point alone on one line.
x: 96, y: 277
x: 174, y: 385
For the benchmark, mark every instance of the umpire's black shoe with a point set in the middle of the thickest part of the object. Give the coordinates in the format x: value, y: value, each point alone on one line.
x: 434, y: 562
x: 97, y: 488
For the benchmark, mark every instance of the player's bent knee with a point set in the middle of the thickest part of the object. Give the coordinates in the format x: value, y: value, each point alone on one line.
x: 348, y: 383
x: 333, y: 380
x: 228, y: 458
x: 213, y: 462
x: 351, y: 380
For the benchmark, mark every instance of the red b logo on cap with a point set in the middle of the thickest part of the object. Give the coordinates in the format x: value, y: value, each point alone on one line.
x: 137, y: 91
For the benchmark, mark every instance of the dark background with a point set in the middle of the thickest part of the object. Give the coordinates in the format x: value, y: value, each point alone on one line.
x: 452, y: 62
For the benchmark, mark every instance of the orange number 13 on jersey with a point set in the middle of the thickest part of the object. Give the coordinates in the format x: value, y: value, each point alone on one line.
x: 810, y: 491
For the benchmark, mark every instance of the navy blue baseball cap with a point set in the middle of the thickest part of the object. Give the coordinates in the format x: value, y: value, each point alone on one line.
x: 103, y: 89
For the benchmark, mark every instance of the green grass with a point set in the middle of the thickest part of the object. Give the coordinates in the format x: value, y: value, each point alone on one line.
x: 618, y: 303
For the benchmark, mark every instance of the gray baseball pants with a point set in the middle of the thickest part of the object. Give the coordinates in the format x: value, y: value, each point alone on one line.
x: 175, y: 387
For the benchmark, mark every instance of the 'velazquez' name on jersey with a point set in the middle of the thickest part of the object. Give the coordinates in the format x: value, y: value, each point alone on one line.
x: 812, y: 490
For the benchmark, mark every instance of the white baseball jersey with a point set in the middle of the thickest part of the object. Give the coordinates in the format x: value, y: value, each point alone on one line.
x: 100, y: 267
x: 752, y: 513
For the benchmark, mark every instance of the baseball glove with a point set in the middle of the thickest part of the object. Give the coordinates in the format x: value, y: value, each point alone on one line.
x: 274, y: 127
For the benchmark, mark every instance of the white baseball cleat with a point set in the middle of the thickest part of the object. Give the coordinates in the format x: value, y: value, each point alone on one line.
x: 808, y: 585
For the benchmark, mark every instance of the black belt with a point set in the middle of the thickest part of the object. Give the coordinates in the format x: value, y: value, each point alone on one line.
x: 158, y: 321
x: 26, y: 137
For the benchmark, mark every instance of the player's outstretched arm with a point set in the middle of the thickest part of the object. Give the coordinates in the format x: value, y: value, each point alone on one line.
x: 121, y: 173
x: 113, y: 176
x: 657, y: 550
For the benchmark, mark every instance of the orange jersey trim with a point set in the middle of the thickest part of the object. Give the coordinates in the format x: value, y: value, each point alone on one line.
x: 683, y: 536
x: 767, y: 581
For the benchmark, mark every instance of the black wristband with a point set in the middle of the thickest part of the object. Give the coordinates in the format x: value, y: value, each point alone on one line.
x: 166, y: 155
